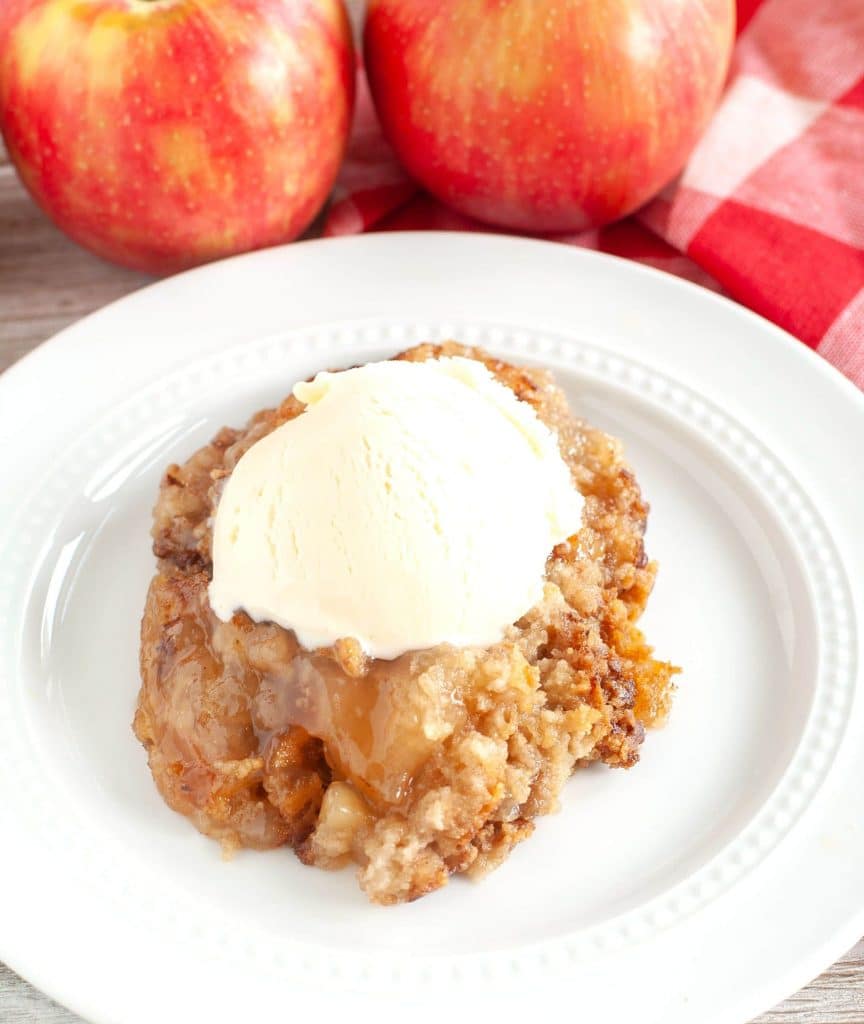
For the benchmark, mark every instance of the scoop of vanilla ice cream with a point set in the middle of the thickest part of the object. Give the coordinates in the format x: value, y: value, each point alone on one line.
x: 410, y: 504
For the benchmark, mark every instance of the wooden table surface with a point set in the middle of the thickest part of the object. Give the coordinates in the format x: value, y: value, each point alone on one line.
x: 47, y: 282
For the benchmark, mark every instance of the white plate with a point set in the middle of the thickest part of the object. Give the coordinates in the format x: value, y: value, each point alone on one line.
x: 709, y: 882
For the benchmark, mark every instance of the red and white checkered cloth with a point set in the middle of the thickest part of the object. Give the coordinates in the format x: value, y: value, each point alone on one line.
x: 770, y: 208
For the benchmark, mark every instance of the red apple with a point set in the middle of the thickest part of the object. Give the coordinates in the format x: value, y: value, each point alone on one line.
x: 164, y: 133
x: 546, y: 116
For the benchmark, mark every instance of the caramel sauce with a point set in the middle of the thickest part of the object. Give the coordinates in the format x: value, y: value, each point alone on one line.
x: 378, y: 728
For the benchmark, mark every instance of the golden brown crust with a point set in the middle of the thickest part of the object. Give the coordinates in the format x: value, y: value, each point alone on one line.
x: 436, y: 763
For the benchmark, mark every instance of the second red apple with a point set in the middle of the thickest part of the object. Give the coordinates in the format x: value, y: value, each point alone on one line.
x: 546, y: 117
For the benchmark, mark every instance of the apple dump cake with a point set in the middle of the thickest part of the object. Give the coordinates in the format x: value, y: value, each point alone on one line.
x: 333, y: 660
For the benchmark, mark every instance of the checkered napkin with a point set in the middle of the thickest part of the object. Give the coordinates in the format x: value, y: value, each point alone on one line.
x: 770, y: 208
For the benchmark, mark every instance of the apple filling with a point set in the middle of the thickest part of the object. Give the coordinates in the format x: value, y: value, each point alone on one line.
x: 434, y: 763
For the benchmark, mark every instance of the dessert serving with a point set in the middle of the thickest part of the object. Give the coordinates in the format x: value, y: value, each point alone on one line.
x: 393, y: 615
